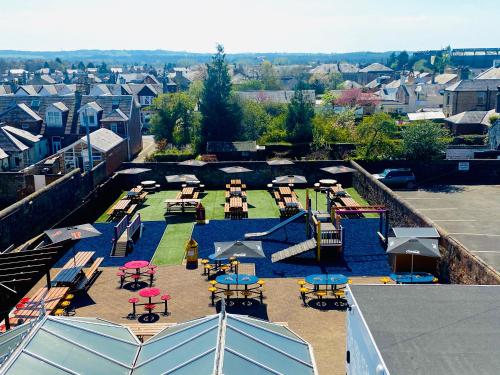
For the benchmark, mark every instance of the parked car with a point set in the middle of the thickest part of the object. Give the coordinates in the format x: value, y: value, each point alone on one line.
x: 397, y: 178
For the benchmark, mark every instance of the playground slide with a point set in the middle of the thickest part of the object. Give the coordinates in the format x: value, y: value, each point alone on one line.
x: 297, y: 249
x: 276, y: 227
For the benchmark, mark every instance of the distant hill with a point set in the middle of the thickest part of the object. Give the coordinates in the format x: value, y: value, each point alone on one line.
x: 157, y: 57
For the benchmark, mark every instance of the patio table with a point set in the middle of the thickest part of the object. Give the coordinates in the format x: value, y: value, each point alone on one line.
x: 187, y: 192
x: 327, y: 280
x: 412, y: 278
x: 285, y: 191
x: 149, y: 293
x: 148, y: 183
x: 67, y: 276
x: 236, y: 202
x: 237, y: 279
x: 236, y: 182
x: 327, y: 182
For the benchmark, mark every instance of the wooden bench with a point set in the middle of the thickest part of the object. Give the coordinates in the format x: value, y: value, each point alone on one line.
x: 90, y: 274
x: 131, y: 209
x: 195, y: 195
x: 179, y: 195
x: 245, y: 209
x: 51, y: 298
x: 277, y: 196
x: 227, y: 210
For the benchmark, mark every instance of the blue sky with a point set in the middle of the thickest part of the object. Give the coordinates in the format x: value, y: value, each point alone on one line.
x: 248, y: 26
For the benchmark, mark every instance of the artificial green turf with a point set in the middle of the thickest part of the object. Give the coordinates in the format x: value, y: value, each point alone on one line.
x: 105, y: 217
x: 172, y: 246
x: 358, y: 198
x: 261, y: 205
x: 154, y: 208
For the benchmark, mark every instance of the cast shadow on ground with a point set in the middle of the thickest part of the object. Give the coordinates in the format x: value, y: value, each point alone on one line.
x: 237, y: 306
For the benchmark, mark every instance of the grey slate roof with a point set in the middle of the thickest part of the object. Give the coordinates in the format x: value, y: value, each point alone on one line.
x: 9, y: 143
x: 115, y: 115
x: 375, y: 67
x: 278, y: 96
x: 103, y: 139
x: 475, y: 85
x: 433, y: 329
x: 108, y: 103
x: 23, y: 135
x: 491, y: 73
x: 29, y: 111
x: 471, y: 117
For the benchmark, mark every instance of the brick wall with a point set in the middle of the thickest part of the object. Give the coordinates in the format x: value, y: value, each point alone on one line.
x: 457, y: 265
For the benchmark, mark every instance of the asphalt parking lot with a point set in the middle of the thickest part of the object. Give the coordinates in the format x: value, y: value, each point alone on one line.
x: 471, y: 214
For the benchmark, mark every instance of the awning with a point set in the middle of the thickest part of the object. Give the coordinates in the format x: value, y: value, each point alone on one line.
x: 239, y: 249
x: 427, y: 247
x: 133, y: 171
x: 72, y: 233
x: 192, y: 163
x: 280, y: 162
x: 237, y: 169
x: 291, y: 179
x: 338, y: 169
x: 181, y: 178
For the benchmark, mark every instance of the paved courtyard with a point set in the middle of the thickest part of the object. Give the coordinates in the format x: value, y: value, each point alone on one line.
x: 471, y: 214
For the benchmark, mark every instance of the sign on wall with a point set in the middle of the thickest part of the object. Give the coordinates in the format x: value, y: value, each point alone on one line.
x: 463, y: 166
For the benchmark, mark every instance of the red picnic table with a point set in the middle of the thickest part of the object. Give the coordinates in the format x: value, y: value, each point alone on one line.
x: 137, y: 265
x: 149, y: 293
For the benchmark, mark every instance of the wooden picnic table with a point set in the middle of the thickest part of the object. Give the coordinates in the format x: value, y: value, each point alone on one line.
x: 137, y: 190
x: 236, y: 203
x: 121, y: 206
x: 235, y: 189
x: 183, y: 204
x: 291, y: 201
x: 236, y: 182
x: 80, y: 259
x: 187, y: 193
x: 51, y: 298
x: 285, y: 191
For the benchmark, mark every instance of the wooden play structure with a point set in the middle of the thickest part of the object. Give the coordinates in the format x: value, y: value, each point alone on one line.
x: 124, y: 233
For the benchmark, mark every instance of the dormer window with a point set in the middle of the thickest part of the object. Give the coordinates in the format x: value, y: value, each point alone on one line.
x: 146, y: 100
x: 53, y: 118
x: 88, y: 118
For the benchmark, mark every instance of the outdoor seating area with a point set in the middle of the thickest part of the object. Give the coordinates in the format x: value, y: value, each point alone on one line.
x: 149, y: 304
x: 76, y: 273
x: 137, y: 273
x: 287, y: 201
x: 236, y: 206
x: 319, y: 287
x: 235, y: 286
x: 129, y: 203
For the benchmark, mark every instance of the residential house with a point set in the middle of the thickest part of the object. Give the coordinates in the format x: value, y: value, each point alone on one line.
x: 49, y: 116
x: 399, y: 99
x: 469, y: 122
x: 105, y: 146
x: 118, y: 113
x: 180, y: 78
x: 373, y: 71
x: 470, y: 95
x: 349, y: 71
x: 137, y: 78
x: 5, y: 90
x: 38, y: 146
x: 19, y: 148
x: 42, y: 79
x: 446, y: 79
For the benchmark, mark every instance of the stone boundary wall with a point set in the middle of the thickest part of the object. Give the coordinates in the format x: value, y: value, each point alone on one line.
x: 41, y: 210
x: 458, y: 265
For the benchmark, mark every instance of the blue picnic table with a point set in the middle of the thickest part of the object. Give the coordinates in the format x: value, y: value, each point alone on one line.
x: 412, y: 278
x: 325, y: 279
x: 237, y: 279
x: 67, y: 275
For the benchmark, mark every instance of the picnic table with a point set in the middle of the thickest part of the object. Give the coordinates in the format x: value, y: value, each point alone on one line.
x: 183, y: 204
x: 187, y: 193
x: 236, y: 203
x: 149, y: 293
x: 50, y: 297
x: 326, y: 279
x: 135, y: 191
x: 291, y: 201
x: 120, y: 206
x: 285, y: 191
x: 412, y: 278
x: 236, y: 182
x: 232, y: 284
x: 68, y: 276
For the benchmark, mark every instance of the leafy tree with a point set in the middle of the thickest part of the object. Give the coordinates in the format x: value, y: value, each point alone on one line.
x: 81, y: 65
x: 255, y: 120
x: 221, y: 114
x: 375, y: 136
x: 268, y: 76
x: 90, y: 65
x: 403, y: 59
x: 299, y: 117
x: 251, y: 85
x: 329, y: 128
x: 103, y: 68
x: 424, y: 141
x: 174, y: 119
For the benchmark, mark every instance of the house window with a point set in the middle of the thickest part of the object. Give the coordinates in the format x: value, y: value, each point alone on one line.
x: 56, y: 144
x: 89, y: 119
x: 53, y: 118
x: 481, y: 98
x: 114, y: 127
x: 146, y: 100
x: 25, y: 126
x: 447, y: 99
